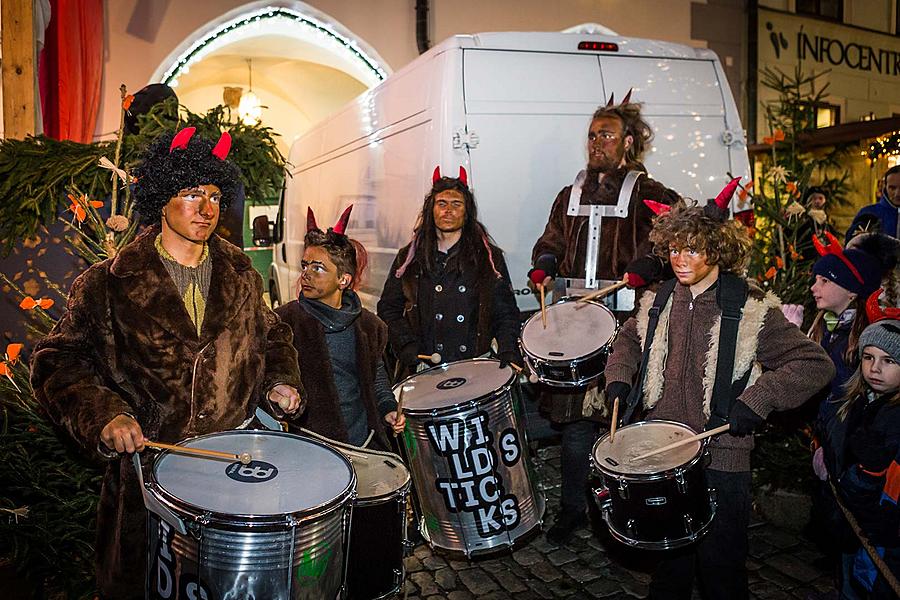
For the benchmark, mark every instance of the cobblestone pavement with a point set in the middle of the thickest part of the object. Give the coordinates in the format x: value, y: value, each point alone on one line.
x: 592, y: 565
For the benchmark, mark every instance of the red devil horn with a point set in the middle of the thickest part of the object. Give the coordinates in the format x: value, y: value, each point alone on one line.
x: 727, y: 192
x: 436, y: 175
x: 834, y: 244
x: 463, y: 176
x: 627, y: 97
x: 223, y: 146
x: 612, y: 98
x: 341, y: 225
x: 658, y: 208
x: 818, y: 245
x: 182, y: 138
x: 873, y: 309
x: 310, y: 219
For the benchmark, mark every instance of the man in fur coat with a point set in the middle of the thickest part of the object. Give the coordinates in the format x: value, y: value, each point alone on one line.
x: 448, y: 291
x: 167, y: 340
x: 339, y: 342
x: 775, y: 367
x: 616, y: 140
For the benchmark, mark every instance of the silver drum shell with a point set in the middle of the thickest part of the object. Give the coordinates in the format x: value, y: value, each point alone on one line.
x: 457, y: 531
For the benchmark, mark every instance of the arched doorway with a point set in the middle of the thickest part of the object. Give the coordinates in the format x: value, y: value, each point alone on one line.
x: 304, y: 64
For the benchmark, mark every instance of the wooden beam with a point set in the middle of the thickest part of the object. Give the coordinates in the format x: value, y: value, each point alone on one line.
x: 17, y: 68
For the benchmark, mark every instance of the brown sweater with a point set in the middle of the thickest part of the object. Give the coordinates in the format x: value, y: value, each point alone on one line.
x: 793, y: 368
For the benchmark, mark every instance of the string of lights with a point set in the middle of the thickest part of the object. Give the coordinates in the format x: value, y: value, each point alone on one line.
x: 268, y: 15
x: 886, y: 145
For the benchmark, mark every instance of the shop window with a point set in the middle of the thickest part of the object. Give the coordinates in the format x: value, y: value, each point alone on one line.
x: 822, y: 114
x: 827, y: 9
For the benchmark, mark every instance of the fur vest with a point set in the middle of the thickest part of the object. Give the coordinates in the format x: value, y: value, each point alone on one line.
x: 755, y: 310
x: 323, y: 412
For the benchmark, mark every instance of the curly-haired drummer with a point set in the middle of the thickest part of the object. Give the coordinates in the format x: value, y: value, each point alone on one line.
x: 339, y: 342
x: 711, y: 348
x: 169, y: 339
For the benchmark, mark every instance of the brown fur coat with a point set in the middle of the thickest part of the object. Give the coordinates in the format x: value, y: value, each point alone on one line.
x: 127, y: 345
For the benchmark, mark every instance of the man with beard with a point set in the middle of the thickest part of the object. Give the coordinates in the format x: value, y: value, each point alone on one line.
x: 616, y: 141
x: 448, y: 291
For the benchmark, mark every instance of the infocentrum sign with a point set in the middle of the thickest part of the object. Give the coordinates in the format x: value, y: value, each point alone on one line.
x: 788, y: 38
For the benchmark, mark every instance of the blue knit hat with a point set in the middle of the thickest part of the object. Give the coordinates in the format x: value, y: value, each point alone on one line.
x: 869, y: 268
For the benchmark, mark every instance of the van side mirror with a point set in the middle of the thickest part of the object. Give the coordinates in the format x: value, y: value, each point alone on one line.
x: 262, y: 231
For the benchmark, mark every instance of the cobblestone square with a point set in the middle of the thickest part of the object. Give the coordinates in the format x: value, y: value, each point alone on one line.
x: 592, y: 565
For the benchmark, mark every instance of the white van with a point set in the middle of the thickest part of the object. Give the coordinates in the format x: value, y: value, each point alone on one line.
x: 514, y: 109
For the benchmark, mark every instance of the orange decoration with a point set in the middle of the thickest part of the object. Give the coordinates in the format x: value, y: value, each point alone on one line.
x: 778, y: 136
x: 794, y: 254
x: 126, y: 103
x: 29, y: 303
x: 13, y: 351
x: 779, y: 262
x: 792, y: 188
x: 745, y: 190
x: 78, y: 206
x: 770, y: 274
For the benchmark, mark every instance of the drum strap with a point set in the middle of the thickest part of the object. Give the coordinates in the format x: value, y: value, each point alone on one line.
x: 635, y: 398
x: 731, y: 295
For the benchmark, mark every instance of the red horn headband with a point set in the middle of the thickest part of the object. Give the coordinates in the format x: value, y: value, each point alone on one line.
x: 727, y: 192
x: 627, y: 97
x: 874, y: 310
x: 658, y: 208
x: 181, y: 139
x: 611, y: 102
x: 834, y: 247
x: 223, y: 146
x: 310, y: 219
x: 341, y: 225
x: 463, y: 176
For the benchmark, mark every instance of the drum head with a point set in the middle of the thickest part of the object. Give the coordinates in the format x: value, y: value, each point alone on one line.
x: 377, y: 474
x: 639, y: 438
x: 574, y: 329
x: 288, y: 474
x: 447, y: 385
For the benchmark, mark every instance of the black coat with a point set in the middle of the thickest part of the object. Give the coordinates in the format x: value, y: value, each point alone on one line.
x: 455, y: 311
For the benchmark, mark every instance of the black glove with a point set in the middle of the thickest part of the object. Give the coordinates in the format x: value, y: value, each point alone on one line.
x: 546, y: 265
x: 510, y: 357
x: 409, y: 356
x: 620, y: 390
x: 742, y: 419
x: 870, y: 447
x: 644, y: 271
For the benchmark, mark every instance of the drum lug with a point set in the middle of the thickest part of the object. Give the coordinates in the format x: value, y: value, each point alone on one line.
x: 623, y: 489
x: 688, y: 524
x: 713, y: 498
x: 292, y: 521
x: 398, y: 577
x: 682, y: 484
x: 629, y: 525
x: 601, y: 497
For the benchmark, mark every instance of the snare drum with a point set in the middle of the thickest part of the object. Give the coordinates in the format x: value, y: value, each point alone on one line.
x: 469, y: 457
x: 659, y: 502
x: 378, y: 541
x: 571, y: 351
x: 275, y: 528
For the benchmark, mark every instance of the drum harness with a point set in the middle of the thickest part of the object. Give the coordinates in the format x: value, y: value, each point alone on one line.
x: 731, y: 295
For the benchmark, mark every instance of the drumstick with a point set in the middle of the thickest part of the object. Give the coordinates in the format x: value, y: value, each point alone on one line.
x: 615, y: 421
x: 433, y: 358
x: 543, y: 305
x: 400, y: 405
x: 532, y: 378
x: 815, y: 322
x: 243, y: 457
x: 603, y: 291
x: 685, y: 441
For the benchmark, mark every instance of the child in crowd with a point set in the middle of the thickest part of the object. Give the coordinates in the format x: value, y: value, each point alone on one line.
x: 865, y: 463
x: 339, y: 343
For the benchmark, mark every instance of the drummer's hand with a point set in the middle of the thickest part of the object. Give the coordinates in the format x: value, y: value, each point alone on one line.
x: 742, y: 419
x: 617, y: 390
x: 510, y: 357
x: 397, y: 422
x: 123, y: 434
x: 286, y: 397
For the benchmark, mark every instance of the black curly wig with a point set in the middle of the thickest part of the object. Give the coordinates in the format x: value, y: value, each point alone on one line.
x: 162, y: 174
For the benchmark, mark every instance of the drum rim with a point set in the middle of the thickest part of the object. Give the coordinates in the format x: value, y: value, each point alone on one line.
x: 418, y: 412
x: 665, y: 474
x: 566, y: 300
x: 606, y: 513
x: 183, y: 508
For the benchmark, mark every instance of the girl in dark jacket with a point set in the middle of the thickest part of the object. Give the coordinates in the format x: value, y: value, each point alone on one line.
x: 868, y: 473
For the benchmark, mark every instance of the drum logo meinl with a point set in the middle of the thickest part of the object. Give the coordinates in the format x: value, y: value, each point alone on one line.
x: 474, y: 486
x: 164, y: 569
x: 255, y: 472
